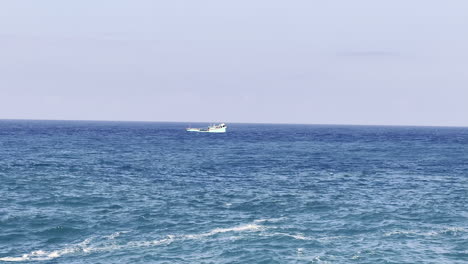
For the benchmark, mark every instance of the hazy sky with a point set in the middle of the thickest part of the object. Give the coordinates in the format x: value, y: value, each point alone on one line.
x: 325, y: 62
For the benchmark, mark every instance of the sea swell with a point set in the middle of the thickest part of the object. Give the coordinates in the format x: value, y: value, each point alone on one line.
x: 99, y: 192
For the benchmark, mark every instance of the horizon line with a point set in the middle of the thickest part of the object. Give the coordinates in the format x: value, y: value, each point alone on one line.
x: 260, y: 123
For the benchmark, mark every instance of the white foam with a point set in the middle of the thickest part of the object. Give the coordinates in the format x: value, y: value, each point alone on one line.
x: 448, y: 230
x: 300, y: 251
x: 115, y: 235
x: 319, y: 260
x: 454, y: 230
x: 298, y: 236
x: 48, y: 255
x: 85, y: 246
x: 136, y: 244
x: 224, y: 230
x: 22, y: 258
x: 357, y: 255
x: 41, y: 255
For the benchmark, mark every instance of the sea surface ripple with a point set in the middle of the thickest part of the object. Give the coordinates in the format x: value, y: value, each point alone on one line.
x: 142, y: 192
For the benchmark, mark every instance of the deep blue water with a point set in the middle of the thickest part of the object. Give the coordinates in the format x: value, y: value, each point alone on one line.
x: 130, y: 192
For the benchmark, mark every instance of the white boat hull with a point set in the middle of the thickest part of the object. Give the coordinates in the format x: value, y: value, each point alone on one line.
x: 211, y: 129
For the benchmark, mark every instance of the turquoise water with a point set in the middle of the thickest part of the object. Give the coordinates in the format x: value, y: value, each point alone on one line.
x: 129, y: 192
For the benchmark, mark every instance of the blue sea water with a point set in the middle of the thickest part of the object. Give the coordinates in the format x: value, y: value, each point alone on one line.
x: 136, y: 192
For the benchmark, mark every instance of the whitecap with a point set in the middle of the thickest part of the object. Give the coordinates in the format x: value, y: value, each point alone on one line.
x: 116, y: 234
x: 41, y: 255
x: 247, y: 227
x: 448, y: 230
x: 85, y: 247
x: 454, y: 230
x: 297, y: 236
x: 11, y: 259
x: 319, y: 260
x: 357, y: 255
x: 300, y: 251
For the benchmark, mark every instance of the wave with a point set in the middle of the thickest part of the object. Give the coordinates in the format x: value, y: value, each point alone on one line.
x: 115, y: 235
x: 297, y: 236
x: 48, y: 255
x: 448, y: 230
x: 86, y: 247
x: 331, y: 238
x: 224, y: 230
x: 271, y: 220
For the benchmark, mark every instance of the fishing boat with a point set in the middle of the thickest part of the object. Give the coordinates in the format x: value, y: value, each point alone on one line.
x: 220, y: 128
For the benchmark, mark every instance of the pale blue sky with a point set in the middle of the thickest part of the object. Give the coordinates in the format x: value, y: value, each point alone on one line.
x: 393, y: 62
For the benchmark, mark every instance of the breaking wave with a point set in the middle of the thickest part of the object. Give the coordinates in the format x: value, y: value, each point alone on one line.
x: 86, y: 247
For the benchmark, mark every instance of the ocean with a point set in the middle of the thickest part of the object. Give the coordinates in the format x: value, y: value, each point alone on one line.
x: 147, y: 192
